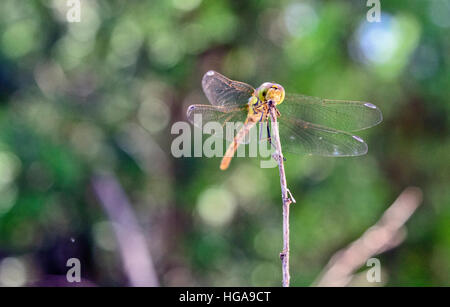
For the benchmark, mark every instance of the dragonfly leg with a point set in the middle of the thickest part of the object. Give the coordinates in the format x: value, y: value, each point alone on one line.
x: 268, y: 133
x: 261, y: 122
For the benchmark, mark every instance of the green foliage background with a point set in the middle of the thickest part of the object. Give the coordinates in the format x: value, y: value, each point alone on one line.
x: 79, y: 99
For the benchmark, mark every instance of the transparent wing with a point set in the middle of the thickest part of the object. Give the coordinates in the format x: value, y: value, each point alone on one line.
x: 222, y: 91
x: 199, y: 115
x: 338, y: 114
x: 301, y: 137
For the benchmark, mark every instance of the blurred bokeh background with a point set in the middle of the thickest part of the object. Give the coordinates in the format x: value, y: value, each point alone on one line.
x: 86, y: 170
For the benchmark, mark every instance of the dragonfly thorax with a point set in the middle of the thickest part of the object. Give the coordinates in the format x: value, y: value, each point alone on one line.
x: 271, y: 92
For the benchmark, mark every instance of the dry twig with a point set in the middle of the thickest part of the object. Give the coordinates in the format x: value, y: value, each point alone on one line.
x: 387, y: 233
x: 137, y: 260
x: 285, y: 195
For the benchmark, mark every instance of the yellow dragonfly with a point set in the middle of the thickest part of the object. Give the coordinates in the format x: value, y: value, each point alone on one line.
x: 308, y: 125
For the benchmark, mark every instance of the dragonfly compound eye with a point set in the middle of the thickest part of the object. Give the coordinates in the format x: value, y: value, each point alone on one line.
x: 275, y: 93
x: 262, y: 90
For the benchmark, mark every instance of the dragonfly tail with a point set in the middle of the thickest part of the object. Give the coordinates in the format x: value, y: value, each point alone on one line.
x: 225, y: 163
x: 226, y: 160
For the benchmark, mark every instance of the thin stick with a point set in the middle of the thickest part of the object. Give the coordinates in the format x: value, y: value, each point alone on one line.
x: 387, y: 233
x: 285, y: 196
x: 133, y: 247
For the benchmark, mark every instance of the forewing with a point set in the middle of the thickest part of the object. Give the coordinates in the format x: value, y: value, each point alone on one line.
x: 301, y: 137
x: 338, y: 114
x: 222, y: 91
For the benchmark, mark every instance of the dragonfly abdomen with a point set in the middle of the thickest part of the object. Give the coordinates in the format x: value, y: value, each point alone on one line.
x: 249, y: 123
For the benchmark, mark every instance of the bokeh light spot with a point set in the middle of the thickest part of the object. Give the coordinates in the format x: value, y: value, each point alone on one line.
x: 154, y: 115
x: 186, y: 5
x: 9, y: 167
x: 300, y: 19
x: 104, y: 236
x: 216, y: 206
x: 12, y: 272
x: 19, y: 39
x: 439, y: 12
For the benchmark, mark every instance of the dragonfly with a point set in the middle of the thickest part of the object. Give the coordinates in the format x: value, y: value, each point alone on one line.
x: 307, y: 125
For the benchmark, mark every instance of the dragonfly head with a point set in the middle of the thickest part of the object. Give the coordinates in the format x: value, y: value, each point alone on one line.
x: 271, y: 91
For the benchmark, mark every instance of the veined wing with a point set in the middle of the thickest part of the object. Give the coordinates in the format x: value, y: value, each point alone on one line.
x: 222, y: 91
x: 301, y: 137
x: 199, y: 115
x: 338, y: 114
